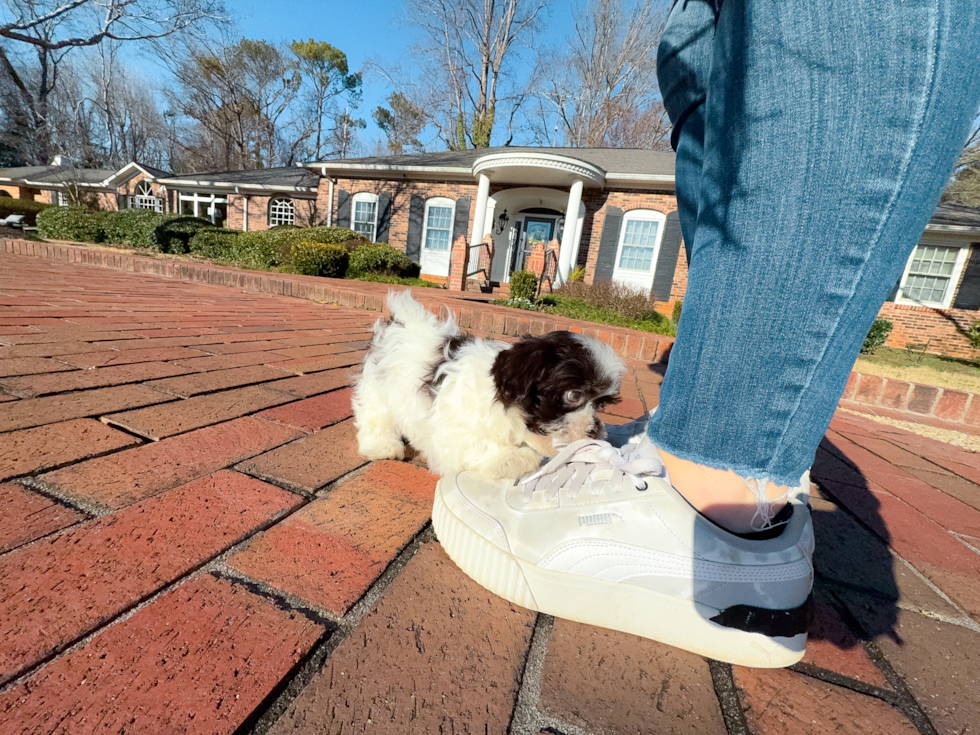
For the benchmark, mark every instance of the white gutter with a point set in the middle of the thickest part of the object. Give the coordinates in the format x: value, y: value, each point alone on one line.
x: 331, y: 181
x: 954, y: 229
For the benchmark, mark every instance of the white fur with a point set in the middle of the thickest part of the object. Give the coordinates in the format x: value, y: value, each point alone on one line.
x: 464, y: 427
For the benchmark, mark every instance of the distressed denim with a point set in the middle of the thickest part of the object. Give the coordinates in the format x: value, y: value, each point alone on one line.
x: 813, y: 142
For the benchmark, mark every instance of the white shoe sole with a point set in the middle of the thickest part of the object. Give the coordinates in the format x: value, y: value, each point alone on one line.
x: 628, y: 608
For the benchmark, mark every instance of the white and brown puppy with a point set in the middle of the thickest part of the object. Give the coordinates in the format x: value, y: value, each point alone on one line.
x: 473, y: 404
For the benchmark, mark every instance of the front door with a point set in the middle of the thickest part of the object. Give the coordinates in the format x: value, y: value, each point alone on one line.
x: 537, y: 230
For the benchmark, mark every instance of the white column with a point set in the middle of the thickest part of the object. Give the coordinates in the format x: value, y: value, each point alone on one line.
x: 480, y: 214
x: 569, y: 247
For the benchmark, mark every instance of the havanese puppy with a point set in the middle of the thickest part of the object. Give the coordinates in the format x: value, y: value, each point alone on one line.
x: 473, y: 404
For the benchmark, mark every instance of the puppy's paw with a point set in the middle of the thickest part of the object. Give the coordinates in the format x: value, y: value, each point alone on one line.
x: 512, y: 464
x: 379, y: 447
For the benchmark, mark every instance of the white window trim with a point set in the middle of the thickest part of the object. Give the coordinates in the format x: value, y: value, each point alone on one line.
x: 643, y: 215
x: 292, y: 208
x: 954, y: 278
x: 208, y: 200
x: 438, y: 202
x: 138, y: 199
x: 364, y: 196
x: 63, y: 200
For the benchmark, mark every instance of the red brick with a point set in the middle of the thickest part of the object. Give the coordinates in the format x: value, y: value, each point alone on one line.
x: 132, y: 475
x: 972, y: 416
x: 605, y: 681
x: 313, y: 414
x: 186, y: 386
x: 51, y: 409
x: 312, y: 462
x: 297, y: 353
x: 48, y: 349
x: 923, y: 398
x: 128, y: 357
x: 30, y: 450
x: 952, y: 405
x: 158, y: 422
x: 31, y: 366
x: 235, y: 347
x: 869, y: 389
x: 317, y: 364
x: 55, y: 591
x: 26, y: 516
x: 783, y: 702
x: 896, y: 394
x: 831, y: 645
x: 331, y: 551
x: 852, y: 382
x: 199, y: 660
x: 304, y: 386
x: 630, y: 408
x: 437, y: 654
x: 40, y: 385
x: 226, y: 362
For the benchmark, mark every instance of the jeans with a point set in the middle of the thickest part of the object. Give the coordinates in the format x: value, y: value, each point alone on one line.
x: 813, y: 142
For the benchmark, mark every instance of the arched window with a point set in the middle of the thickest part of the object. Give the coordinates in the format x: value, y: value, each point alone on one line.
x: 438, y: 223
x: 281, y: 211
x: 639, y: 244
x: 364, y: 219
x: 145, y: 199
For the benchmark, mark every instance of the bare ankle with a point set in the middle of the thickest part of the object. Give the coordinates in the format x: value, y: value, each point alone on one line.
x: 724, y: 497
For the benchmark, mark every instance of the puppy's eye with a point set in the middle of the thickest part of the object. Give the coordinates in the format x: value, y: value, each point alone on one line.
x: 574, y: 397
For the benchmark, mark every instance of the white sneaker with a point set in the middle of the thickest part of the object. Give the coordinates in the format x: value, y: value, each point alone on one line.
x: 602, y: 538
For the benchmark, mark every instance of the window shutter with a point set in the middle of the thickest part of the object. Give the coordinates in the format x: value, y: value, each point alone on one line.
x: 120, y: 202
x: 461, y: 222
x: 968, y: 297
x: 384, y: 217
x: 416, y: 211
x: 608, y: 244
x: 670, y: 246
x: 343, y: 208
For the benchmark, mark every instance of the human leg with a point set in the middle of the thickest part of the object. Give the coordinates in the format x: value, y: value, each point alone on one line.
x: 826, y: 133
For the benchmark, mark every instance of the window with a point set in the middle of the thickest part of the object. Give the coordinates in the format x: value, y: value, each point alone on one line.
x: 207, y: 206
x: 145, y: 199
x: 365, y: 215
x: 931, y: 274
x: 438, y: 227
x: 281, y: 211
x: 63, y: 199
x: 641, y: 230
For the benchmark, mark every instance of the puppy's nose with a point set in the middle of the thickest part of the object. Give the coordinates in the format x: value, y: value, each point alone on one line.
x: 597, y: 431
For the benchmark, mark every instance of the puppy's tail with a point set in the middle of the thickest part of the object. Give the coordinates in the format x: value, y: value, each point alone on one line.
x: 412, y: 316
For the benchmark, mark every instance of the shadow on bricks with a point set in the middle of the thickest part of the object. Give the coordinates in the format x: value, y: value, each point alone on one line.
x: 853, y: 564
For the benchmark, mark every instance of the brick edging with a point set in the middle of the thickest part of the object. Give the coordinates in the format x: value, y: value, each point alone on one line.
x: 922, y: 400
x: 486, y: 318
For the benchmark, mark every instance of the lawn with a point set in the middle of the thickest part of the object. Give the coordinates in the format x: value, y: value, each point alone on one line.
x: 942, y: 372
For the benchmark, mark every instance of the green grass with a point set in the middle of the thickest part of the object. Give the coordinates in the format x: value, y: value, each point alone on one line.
x: 375, y: 278
x: 889, y: 357
x: 581, y: 309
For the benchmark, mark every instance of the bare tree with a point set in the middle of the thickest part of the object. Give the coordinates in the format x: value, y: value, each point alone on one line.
x: 467, y: 48
x: 37, y: 34
x: 965, y: 185
x: 603, y: 91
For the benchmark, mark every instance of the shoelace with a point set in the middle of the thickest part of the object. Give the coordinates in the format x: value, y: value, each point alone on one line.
x: 575, y: 463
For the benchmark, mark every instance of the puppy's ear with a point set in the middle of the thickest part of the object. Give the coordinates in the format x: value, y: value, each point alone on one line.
x: 517, y: 371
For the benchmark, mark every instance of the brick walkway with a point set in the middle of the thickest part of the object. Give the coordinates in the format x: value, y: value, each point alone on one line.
x: 189, y: 543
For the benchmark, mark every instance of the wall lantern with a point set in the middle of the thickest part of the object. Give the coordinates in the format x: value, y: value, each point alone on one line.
x: 502, y: 221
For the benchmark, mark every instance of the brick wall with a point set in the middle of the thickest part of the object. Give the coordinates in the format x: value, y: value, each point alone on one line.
x: 307, y: 211
x: 19, y: 192
x: 401, y: 196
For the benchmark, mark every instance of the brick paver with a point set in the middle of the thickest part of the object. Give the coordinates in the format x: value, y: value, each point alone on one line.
x: 188, y: 517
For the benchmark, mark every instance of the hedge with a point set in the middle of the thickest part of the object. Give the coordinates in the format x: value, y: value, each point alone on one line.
x: 70, y: 223
x: 27, y: 207
x: 523, y: 285
x: 383, y: 259
x: 268, y: 248
x: 134, y: 227
x: 320, y: 259
x: 174, y: 233
x: 215, y: 242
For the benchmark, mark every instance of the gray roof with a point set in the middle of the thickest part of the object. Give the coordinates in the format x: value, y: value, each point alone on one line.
x: 156, y: 173
x: 635, y: 161
x: 55, y: 175
x: 285, y: 177
x: 948, y: 214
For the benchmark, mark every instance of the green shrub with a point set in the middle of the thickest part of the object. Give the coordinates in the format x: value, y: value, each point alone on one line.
x: 523, y: 285
x: 174, y: 233
x: 876, y: 336
x: 215, y: 242
x: 675, y: 315
x: 320, y: 259
x: 133, y: 227
x: 27, y: 207
x: 973, y: 334
x: 70, y: 223
x: 383, y: 259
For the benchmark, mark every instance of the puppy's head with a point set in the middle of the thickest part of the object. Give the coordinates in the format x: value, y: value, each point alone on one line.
x: 559, y: 381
